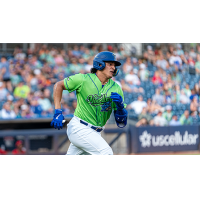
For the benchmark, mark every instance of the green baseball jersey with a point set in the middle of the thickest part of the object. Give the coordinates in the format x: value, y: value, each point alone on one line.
x: 94, y: 104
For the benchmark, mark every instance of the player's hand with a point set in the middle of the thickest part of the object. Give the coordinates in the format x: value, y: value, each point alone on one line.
x: 118, y: 100
x: 57, y: 119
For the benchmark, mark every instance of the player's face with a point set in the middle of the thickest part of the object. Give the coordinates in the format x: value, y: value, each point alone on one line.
x: 109, y: 69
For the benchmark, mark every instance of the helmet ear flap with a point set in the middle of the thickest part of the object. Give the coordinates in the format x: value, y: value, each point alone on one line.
x: 116, y: 72
x: 99, y: 65
x: 103, y: 64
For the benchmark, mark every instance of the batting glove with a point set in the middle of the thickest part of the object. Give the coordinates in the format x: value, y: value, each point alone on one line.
x: 57, y: 119
x: 118, y: 100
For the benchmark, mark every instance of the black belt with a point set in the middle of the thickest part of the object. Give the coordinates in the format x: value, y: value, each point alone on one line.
x: 93, y: 127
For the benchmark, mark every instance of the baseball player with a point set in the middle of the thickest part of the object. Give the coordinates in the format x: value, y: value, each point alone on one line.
x: 97, y: 95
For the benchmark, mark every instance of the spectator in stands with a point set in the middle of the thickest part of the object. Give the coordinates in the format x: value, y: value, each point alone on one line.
x: 184, y: 60
x: 66, y: 109
x: 185, y: 119
x: 162, y: 63
x: 152, y: 106
x: 133, y: 81
x: 47, y: 94
x: 145, y: 114
x: 5, y: 73
x: 74, y: 67
x: 176, y: 78
x: 26, y: 112
x: 194, y: 117
x: 41, y: 79
x: 32, y: 81
x: 59, y: 60
x: 35, y: 107
x: 15, y: 77
x: 157, y: 79
x: 158, y: 98
x: 143, y: 73
x: 159, y: 120
x: 170, y: 82
x: 196, y: 89
x: 174, y: 121
x: 6, y: 112
x: 125, y: 86
x: 88, y: 66
x: 93, y: 50
x: 175, y: 93
x: 22, y: 90
x: 116, y: 52
x: 187, y: 90
x: 165, y: 87
x: 194, y: 105
x: 10, y: 99
x: 168, y: 114
x: 2, y: 151
x: 86, y: 55
x: 19, y: 55
x: 17, y: 106
x: 76, y: 52
x: 135, y: 63
x: 150, y: 53
x: 198, y: 49
x: 175, y: 60
x: 197, y: 64
x: 163, y: 76
x: 179, y: 50
x: 35, y: 63
x: 191, y: 62
x: 192, y: 53
x: 45, y: 104
x: 3, y: 92
x: 114, y: 79
x: 167, y: 97
x: 184, y: 98
x: 142, y: 122
x: 127, y: 67
x: 193, y: 94
x: 20, y: 150
x: 137, y: 105
x: 73, y: 107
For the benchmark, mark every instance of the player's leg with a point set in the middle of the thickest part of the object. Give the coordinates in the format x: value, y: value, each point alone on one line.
x: 91, y: 141
x: 87, y: 139
x: 73, y: 150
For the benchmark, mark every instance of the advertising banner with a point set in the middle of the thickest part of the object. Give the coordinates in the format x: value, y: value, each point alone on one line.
x: 158, y: 139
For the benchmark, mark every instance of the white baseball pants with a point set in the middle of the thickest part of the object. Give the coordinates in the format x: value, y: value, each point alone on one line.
x: 85, y: 141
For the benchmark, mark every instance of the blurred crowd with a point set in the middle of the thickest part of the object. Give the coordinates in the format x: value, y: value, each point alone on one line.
x: 168, y: 84
x: 27, y: 78
x: 161, y: 87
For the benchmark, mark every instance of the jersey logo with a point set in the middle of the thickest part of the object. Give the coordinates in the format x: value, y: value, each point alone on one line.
x: 106, y: 106
x: 100, y: 100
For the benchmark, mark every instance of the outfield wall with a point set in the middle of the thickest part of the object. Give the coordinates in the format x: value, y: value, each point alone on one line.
x: 163, y: 139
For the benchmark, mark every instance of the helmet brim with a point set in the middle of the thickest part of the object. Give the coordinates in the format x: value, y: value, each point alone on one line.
x: 117, y: 63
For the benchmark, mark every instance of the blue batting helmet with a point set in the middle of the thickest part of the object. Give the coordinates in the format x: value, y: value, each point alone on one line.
x: 105, y: 56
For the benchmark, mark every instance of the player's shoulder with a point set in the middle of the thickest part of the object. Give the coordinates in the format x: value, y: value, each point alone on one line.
x: 115, y: 85
x: 76, y: 77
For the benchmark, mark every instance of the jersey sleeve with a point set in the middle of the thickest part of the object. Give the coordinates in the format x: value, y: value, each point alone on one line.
x: 120, y: 92
x: 74, y: 82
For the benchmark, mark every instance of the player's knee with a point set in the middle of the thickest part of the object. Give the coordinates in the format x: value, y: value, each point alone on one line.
x: 107, y: 151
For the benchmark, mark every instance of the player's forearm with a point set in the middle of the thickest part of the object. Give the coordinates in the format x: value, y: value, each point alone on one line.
x: 57, y: 94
